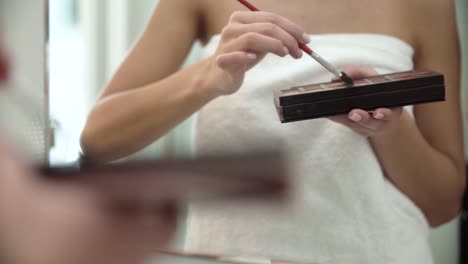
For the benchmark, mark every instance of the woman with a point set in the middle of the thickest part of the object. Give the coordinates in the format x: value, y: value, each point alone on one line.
x: 369, y: 184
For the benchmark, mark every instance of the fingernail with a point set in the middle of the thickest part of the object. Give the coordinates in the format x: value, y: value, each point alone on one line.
x: 299, y: 53
x: 286, y: 51
x: 355, y: 117
x: 379, y: 116
x: 306, y: 38
x: 252, y: 56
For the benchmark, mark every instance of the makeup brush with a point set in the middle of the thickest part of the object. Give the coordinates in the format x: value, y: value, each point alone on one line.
x: 343, y: 76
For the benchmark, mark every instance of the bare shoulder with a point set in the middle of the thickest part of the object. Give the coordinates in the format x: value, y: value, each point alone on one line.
x: 216, y: 14
x: 181, y: 5
x: 177, y: 12
x: 176, y: 8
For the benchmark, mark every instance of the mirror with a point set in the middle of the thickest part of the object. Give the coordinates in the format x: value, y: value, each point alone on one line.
x: 92, y: 39
x: 104, y: 36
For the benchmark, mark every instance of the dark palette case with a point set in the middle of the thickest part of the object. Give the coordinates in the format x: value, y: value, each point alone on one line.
x: 260, y: 176
x: 336, y: 98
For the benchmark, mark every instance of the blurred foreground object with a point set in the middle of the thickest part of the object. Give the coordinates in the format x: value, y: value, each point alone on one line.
x: 56, y: 223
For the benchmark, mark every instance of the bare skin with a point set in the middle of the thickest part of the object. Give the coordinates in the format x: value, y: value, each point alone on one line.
x: 47, y: 223
x: 149, y: 96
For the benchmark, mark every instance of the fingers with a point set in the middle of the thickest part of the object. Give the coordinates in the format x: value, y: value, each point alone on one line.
x: 366, y: 123
x: 364, y: 119
x: 236, y: 61
x: 269, y: 30
x: 369, y: 123
x: 243, y: 53
x: 259, y: 43
x: 356, y: 72
x: 246, y: 40
x: 293, y: 29
x: 375, y: 120
x: 263, y: 33
x: 381, y: 114
x: 359, y: 72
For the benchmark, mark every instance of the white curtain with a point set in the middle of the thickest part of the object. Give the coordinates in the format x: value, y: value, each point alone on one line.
x: 110, y: 27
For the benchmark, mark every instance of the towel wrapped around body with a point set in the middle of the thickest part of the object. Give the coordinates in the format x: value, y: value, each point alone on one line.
x: 344, y: 209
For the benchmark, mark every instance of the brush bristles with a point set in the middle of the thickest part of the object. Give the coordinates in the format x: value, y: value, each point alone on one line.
x: 348, y: 80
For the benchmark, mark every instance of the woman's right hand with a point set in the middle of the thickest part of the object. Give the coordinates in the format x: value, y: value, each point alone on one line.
x: 245, y: 41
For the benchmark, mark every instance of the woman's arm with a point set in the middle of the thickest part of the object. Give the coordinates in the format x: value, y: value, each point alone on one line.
x: 148, y: 96
x: 131, y: 103
x: 425, y: 158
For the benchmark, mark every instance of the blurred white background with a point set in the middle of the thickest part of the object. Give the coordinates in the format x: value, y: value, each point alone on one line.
x: 25, y: 42
x: 91, y: 38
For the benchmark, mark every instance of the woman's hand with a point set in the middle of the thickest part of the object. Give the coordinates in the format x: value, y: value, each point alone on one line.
x: 245, y: 41
x: 367, y: 124
x: 55, y: 223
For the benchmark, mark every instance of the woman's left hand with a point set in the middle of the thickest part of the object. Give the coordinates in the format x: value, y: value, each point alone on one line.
x: 365, y: 123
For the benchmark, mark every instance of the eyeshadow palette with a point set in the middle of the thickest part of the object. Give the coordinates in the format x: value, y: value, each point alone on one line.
x: 256, y: 176
x: 336, y: 98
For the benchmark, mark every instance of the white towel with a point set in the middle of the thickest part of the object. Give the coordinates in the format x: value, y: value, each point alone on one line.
x: 344, y: 210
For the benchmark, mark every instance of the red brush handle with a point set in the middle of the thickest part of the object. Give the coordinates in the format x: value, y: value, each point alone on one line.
x: 3, y: 69
x: 254, y: 9
x: 306, y: 49
x: 249, y: 5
